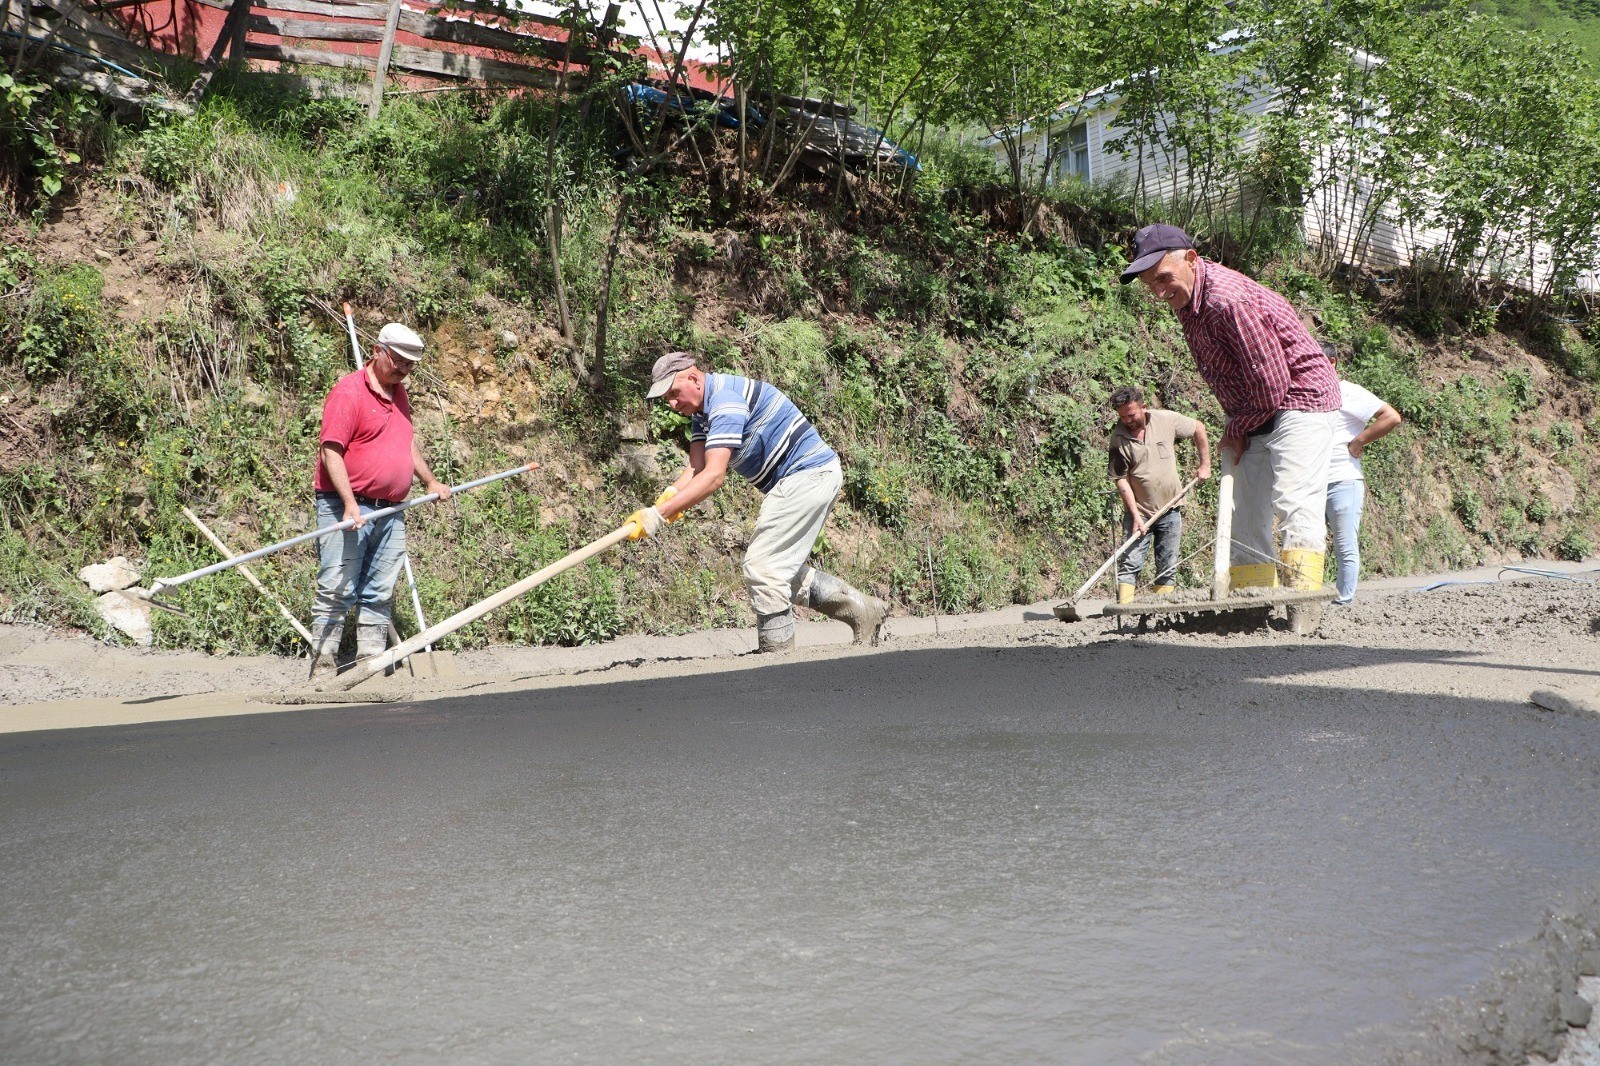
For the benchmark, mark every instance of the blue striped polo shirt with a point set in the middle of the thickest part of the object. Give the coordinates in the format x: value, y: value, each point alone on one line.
x: 768, y: 435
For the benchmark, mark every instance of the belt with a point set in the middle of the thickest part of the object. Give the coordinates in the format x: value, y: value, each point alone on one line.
x: 1264, y: 428
x: 369, y: 501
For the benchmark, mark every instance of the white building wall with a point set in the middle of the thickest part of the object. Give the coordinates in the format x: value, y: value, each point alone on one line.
x: 1335, y: 218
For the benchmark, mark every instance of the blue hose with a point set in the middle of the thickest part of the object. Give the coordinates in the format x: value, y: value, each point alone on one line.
x: 58, y: 46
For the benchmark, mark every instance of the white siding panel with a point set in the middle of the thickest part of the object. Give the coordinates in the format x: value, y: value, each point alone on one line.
x: 1335, y: 218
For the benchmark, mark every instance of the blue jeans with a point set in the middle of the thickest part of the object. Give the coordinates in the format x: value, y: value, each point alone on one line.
x: 359, y: 566
x: 1168, y: 534
x: 1345, y: 499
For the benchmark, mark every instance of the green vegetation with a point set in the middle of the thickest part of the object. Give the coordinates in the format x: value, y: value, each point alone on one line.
x: 1577, y: 20
x: 168, y: 342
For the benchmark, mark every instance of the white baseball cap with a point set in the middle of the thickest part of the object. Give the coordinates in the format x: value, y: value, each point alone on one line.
x: 402, y: 341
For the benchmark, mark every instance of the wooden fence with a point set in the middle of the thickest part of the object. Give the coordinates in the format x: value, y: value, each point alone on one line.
x: 469, y: 42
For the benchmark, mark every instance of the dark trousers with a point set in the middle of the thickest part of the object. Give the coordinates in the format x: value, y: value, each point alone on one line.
x: 1168, y: 533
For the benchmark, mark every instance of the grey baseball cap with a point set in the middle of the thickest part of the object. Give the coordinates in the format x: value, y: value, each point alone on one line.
x: 667, y: 368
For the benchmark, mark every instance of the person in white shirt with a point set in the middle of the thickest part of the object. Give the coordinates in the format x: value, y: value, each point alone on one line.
x: 1362, y: 418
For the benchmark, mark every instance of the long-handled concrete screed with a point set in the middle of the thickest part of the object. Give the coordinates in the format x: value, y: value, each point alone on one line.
x: 1229, y: 610
x: 167, y: 584
x: 379, y: 663
x: 1069, y: 611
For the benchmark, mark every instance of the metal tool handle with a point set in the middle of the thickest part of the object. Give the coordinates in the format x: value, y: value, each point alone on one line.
x: 163, y: 584
x: 1109, y: 563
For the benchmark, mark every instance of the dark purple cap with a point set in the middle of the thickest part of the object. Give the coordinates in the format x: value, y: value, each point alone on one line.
x: 1150, y: 244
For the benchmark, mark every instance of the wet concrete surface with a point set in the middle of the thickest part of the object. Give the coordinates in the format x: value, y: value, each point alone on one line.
x: 1133, y: 851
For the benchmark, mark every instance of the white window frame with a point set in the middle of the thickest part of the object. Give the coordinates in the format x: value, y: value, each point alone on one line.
x: 1074, y: 157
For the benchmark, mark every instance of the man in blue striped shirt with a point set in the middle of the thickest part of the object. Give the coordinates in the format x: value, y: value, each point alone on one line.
x: 755, y: 430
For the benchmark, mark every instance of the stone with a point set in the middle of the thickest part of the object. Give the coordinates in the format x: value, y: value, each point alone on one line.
x: 509, y: 339
x: 1565, y: 701
x: 110, y: 576
x: 1589, y: 963
x: 638, y: 460
x: 126, y: 615
x: 255, y: 398
x: 1575, y: 1010
x: 634, y: 431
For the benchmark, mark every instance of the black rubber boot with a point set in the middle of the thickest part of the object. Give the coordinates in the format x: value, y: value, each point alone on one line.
x: 864, y: 614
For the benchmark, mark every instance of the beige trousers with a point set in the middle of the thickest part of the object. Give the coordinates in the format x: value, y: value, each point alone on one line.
x: 791, y: 517
x: 1284, y: 475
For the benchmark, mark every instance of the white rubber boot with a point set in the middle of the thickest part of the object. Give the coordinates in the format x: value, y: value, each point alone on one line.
x: 371, y: 641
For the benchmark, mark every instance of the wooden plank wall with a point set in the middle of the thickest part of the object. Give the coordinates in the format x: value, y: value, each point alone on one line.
x: 460, y: 47
x: 469, y: 43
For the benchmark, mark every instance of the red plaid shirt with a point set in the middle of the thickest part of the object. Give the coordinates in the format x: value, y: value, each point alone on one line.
x: 1253, y: 351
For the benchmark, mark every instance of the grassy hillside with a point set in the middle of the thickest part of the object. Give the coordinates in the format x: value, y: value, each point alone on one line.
x: 165, y: 339
x: 1579, y: 19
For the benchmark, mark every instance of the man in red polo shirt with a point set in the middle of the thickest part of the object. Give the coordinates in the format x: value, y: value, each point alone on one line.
x: 1279, y: 392
x: 367, y: 460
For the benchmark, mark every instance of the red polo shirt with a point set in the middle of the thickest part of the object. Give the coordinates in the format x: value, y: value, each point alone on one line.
x: 1253, y: 351
x: 375, y: 434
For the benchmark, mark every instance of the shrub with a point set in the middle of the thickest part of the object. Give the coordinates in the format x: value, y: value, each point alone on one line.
x: 1574, y: 546
x: 39, y: 127
x: 1468, y: 506
x: 61, y: 320
x: 881, y: 490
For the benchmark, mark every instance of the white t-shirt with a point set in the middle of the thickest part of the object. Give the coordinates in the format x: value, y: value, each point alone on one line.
x: 1356, y: 408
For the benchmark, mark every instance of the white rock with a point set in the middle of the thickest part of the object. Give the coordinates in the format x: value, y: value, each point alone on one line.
x: 127, y: 615
x: 509, y: 339
x: 113, y: 574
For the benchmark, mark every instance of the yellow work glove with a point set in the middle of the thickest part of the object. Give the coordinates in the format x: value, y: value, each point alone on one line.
x: 646, y: 523
x: 666, y: 494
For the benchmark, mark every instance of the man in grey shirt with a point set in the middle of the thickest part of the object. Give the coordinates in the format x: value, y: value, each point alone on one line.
x: 1144, y: 465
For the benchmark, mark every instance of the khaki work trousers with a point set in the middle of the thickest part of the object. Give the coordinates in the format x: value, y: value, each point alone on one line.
x: 1283, y: 475
x: 791, y: 517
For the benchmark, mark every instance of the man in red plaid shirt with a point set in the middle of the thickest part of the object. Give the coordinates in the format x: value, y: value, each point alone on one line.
x: 1279, y: 392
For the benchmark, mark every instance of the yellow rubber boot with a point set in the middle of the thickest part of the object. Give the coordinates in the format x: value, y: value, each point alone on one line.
x: 1164, y: 590
x: 1253, y: 575
x: 1124, y: 593
x: 1303, y: 568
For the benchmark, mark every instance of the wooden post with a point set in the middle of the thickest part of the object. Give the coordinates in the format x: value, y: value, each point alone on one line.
x: 233, y: 27
x: 241, y: 29
x: 385, y: 50
x: 1224, y: 555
